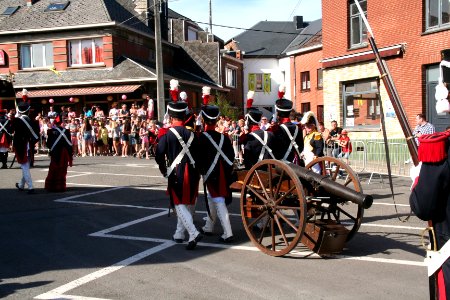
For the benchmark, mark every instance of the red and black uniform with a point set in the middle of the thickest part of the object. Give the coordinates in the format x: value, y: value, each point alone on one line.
x: 220, y: 176
x: 430, y: 198
x: 25, y: 137
x: 6, y: 132
x: 254, y: 151
x: 184, y: 178
x: 284, y: 147
x: 61, y: 152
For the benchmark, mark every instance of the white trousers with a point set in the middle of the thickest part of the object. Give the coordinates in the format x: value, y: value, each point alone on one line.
x: 218, y: 209
x: 185, y: 222
x: 26, y: 176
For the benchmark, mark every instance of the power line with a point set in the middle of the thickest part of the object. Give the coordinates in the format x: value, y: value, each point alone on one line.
x: 249, y: 29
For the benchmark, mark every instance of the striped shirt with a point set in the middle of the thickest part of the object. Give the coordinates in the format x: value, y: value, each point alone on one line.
x: 426, y: 128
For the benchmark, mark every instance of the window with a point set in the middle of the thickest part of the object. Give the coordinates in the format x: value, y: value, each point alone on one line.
x: 320, y: 78
x: 320, y: 113
x: 438, y: 13
x: 362, y: 105
x: 36, y: 55
x: 57, y: 6
x: 192, y: 34
x: 86, y: 52
x: 10, y: 10
x: 259, y: 82
x: 305, y: 107
x: 358, y: 30
x: 230, y: 75
x: 306, y: 82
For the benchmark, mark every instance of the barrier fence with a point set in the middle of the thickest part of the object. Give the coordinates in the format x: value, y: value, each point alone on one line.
x: 369, y: 157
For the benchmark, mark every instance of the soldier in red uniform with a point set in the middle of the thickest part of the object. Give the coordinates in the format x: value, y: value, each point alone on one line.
x: 430, y: 198
x: 215, y: 162
x: 5, y: 138
x: 61, y: 151
x: 258, y: 143
x: 289, y: 144
x: 178, y: 146
x: 26, y: 135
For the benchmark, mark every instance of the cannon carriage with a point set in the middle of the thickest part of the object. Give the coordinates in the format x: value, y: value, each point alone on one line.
x: 283, y: 204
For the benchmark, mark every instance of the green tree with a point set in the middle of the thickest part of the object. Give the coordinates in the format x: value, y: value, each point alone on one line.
x: 226, y: 109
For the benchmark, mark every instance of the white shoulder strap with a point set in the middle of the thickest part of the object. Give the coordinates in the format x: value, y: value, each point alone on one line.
x: 61, y: 135
x: 293, y: 143
x: 3, y: 127
x: 183, y: 152
x: 218, y: 154
x: 29, y: 127
x: 264, y: 145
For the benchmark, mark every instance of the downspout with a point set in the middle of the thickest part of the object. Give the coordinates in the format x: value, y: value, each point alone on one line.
x: 295, y: 85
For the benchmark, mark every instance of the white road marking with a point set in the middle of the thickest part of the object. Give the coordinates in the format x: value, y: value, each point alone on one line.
x: 66, y: 297
x: 384, y: 260
x: 111, y: 205
x: 89, y: 194
x: 389, y: 204
x: 158, y: 188
x: 128, y: 165
x: 304, y: 254
x: 78, y: 175
x: 117, y: 174
x: 59, y: 291
x: 124, y: 225
x: 393, y: 226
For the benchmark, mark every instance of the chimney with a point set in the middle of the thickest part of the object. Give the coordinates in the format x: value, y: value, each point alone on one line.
x: 30, y: 2
x: 298, y: 22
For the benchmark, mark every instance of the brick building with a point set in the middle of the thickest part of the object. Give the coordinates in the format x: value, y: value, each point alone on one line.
x: 306, y: 70
x: 410, y: 36
x: 83, y: 53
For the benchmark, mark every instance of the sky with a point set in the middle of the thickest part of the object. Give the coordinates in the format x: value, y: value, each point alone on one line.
x: 244, y: 13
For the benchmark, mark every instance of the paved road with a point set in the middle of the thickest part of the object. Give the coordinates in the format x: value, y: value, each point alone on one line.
x: 108, y: 237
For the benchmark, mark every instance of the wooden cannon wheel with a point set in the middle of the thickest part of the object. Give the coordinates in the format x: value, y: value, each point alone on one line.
x: 347, y: 213
x: 273, y: 207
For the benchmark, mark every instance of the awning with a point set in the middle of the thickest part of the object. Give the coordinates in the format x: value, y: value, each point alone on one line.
x: 358, y: 57
x: 81, y: 91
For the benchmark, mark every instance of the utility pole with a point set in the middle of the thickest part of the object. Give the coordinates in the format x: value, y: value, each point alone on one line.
x: 210, y: 17
x: 159, y: 62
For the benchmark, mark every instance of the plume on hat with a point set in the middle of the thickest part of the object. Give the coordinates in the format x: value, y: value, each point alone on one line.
x: 206, y: 90
x: 441, y: 95
x: 250, y: 96
x: 25, y: 95
x: 281, y: 91
x: 310, y: 118
x: 184, y: 98
x: 174, y: 90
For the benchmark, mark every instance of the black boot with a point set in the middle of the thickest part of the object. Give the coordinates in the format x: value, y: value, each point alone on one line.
x: 4, y: 159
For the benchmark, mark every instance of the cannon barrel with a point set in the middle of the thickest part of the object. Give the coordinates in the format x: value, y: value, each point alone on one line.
x: 332, y: 187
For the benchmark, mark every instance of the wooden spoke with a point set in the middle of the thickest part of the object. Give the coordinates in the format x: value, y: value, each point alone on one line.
x: 285, y: 194
x: 280, y: 227
x: 350, y: 215
x: 286, y: 220
x: 275, y: 238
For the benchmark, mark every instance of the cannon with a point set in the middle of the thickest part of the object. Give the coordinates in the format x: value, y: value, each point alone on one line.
x: 283, y: 204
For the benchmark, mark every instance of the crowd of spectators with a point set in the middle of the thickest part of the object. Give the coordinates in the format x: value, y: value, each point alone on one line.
x: 131, y: 131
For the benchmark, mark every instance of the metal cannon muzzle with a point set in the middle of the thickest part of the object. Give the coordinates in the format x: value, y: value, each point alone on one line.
x: 332, y: 187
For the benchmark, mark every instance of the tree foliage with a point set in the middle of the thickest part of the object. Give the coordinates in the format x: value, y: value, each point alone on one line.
x: 226, y: 109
